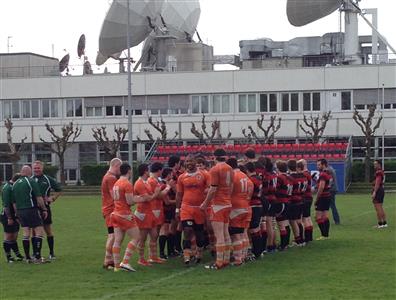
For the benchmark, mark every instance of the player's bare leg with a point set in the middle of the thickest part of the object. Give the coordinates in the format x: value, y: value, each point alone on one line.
x: 142, y: 241
x: 118, y: 239
x: 270, y: 234
x: 220, y: 246
x: 153, y: 256
x: 132, y: 247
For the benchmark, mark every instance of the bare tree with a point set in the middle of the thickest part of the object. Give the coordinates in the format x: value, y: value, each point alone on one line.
x: 268, y: 132
x: 14, y: 153
x: 368, y: 130
x: 159, y: 126
x: 312, y: 128
x: 111, y: 147
x: 60, y: 143
x: 204, y: 134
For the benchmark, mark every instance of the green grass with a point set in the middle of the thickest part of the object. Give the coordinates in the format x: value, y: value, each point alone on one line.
x: 358, y: 262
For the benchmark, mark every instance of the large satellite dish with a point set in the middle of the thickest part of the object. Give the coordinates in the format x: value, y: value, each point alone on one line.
x: 181, y: 17
x: 81, y: 46
x: 113, y: 35
x: 303, y: 12
x: 64, y: 63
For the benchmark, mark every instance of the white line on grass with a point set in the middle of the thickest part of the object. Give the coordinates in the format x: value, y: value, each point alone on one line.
x: 148, y: 284
x: 177, y: 274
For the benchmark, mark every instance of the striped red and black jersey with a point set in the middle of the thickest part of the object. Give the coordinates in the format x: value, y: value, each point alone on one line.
x: 269, y: 185
x: 258, y: 186
x: 262, y: 173
x: 284, y: 188
x: 379, y: 175
x: 327, y: 178
x: 308, y: 190
x: 299, y: 187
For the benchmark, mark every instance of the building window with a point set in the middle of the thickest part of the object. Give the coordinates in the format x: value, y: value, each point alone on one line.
x: 95, y: 111
x: 220, y: 104
x: 316, y: 101
x: 200, y: 104
x: 273, y: 102
x: 360, y: 106
x: 15, y: 109
x: 25, y: 109
x: 294, y: 105
x: 114, y: 110
x: 74, y: 108
x: 30, y: 109
x: 263, y: 102
x: 49, y: 108
x: 247, y: 103
x: 346, y: 101
x: 307, y: 101
x: 311, y: 101
x: 285, y: 102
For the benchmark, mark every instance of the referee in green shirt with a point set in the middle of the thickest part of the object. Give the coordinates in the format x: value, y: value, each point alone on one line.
x: 51, y: 190
x: 28, y: 199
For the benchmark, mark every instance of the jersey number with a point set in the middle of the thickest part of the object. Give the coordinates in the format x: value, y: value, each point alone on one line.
x: 244, y: 185
x: 116, y: 193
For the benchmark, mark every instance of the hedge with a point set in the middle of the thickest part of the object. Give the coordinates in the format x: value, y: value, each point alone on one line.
x: 93, y: 174
x: 358, y: 171
x: 51, y: 170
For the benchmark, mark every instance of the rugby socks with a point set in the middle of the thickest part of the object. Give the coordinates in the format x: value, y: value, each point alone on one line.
x: 108, y: 255
x: 186, y: 250
x: 178, y: 239
x: 288, y: 235
x: 326, y: 226
x: 308, y: 234
x: 227, y: 254
x: 38, y: 242
x: 7, y: 249
x: 220, y: 249
x: 162, y: 242
x: 129, y: 252
x: 170, y: 244
x: 283, y: 239
x: 14, y: 247
x: 33, y: 242
x: 26, y: 246
x: 116, y: 256
x: 237, y: 250
x: 153, y: 249
x: 50, y: 241
x: 264, y: 237
x: 256, y: 243
x: 301, y: 233
x: 321, y: 226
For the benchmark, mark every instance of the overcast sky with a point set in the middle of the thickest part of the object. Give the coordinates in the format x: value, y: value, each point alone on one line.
x: 36, y: 25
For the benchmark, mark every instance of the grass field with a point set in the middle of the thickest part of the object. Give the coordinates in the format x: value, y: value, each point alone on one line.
x: 358, y: 262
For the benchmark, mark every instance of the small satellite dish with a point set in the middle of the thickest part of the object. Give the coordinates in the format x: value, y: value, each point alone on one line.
x: 64, y: 63
x: 81, y: 46
x: 303, y: 12
x: 87, y: 68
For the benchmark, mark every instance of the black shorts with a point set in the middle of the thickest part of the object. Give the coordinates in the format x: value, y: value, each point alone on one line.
x: 323, y: 204
x: 191, y: 224
x: 306, y: 211
x: 235, y: 230
x: 294, y: 210
x: 9, y: 228
x: 379, y: 196
x: 256, y: 217
x: 265, y: 209
x: 279, y: 210
x: 30, y: 217
x: 48, y: 220
x: 170, y: 214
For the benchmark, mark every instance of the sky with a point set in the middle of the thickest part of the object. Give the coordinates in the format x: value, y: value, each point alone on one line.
x: 52, y: 27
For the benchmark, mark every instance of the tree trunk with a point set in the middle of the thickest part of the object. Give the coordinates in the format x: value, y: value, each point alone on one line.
x: 62, y: 170
x: 367, y: 161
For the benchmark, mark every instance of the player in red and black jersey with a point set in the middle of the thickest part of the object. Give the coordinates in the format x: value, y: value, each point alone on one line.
x: 307, y: 201
x: 269, y: 190
x: 284, y: 189
x: 256, y: 205
x: 378, y: 194
x: 295, y: 208
x: 322, y: 203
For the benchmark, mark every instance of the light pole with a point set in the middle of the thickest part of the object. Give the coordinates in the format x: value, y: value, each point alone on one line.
x: 383, y: 126
x: 8, y: 43
x: 130, y: 135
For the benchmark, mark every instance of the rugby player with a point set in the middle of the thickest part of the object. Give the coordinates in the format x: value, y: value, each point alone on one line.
x: 378, y: 194
x: 307, y: 201
x: 239, y: 216
x: 219, y: 197
x: 123, y: 220
x: 279, y: 208
x: 47, y: 185
x: 9, y: 221
x: 322, y: 203
x: 28, y: 200
x: 269, y: 186
x: 295, y: 208
x: 191, y: 187
x: 145, y: 217
x: 107, y: 208
x: 257, y: 209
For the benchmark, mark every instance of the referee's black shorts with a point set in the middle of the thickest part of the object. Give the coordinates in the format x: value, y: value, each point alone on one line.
x: 30, y: 217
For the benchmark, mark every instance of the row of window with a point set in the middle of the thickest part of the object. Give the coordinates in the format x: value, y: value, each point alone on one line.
x: 200, y: 104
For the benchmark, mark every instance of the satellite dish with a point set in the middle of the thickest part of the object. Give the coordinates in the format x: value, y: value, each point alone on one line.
x: 87, y: 68
x: 181, y: 17
x: 81, y: 46
x: 113, y: 34
x: 64, y: 63
x: 303, y: 12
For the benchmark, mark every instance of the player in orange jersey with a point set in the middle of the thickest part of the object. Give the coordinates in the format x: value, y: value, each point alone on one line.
x: 191, y: 187
x: 219, y: 197
x: 107, y: 208
x: 144, y: 214
x: 239, y: 217
x: 123, y: 220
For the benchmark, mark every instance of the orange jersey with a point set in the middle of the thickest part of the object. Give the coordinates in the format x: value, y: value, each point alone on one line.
x: 221, y: 176
x: 142, y: 188
x: 156, y: 203
x: 193, y: 186
x: 108, y: 182
x: 242, y: 188
x: 120, y: 189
